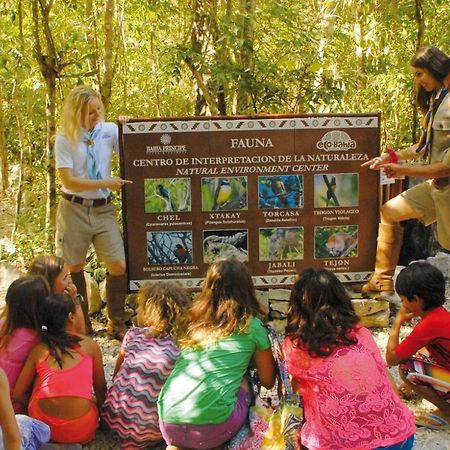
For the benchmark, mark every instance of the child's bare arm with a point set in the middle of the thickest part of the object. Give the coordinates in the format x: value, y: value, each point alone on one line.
x: 265, y: 366
x: 119, y: 362
x: 24, y: 383
x: 8, y: 424
x: 99, y: 373
x: 394, y: 337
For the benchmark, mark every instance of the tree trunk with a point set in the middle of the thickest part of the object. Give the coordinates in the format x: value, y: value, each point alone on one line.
x: 20, y: 130
x: 202, y: 40
x: 48, y: 65
x: 328, y: 16
x: 247, y: 9
x: 4, y: 165
x: 91, y: 39
x: 420, y: 21
x: 106, y: 85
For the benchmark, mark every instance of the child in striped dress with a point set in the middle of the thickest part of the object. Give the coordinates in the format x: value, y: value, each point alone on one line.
x: 146, y: 359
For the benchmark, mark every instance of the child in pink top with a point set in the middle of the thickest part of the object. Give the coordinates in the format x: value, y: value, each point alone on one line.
x: 62, y: 370
x: 18, y: 327
x: 335, y: 364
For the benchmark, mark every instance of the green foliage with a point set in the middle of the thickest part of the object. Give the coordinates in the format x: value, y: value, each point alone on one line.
x: 328, y: 56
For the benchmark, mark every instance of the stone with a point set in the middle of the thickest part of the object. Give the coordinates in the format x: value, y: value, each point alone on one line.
x: 278, y: 325
x: 365, y: 307
x: 279, y: 294
x: 8, y: 274
x: 93, y: 291
x: 279, y: 306
x: 379, y: 319
x: 263, y: 299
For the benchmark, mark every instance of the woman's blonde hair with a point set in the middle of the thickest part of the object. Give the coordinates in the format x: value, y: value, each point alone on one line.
x: 225, y: 305
x: 160, y: 306
x: 74, y: 111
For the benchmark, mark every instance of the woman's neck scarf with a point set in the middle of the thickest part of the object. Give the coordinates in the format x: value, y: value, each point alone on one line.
x: 426, y: 138
x: 93, y: 164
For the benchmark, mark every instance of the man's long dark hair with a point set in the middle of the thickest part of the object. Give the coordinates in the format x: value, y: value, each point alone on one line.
x: 321, y: 315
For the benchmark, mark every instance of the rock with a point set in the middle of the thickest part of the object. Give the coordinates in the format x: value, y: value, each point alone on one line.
x: 442, y: 261
x: 279, y: 294
x: 8, y: 273
x: 279, y: 306
x: 263, y: 298
x: 93, y: 291
x: 379, y: 319
x: 278, y: 325
x: 365, y: 307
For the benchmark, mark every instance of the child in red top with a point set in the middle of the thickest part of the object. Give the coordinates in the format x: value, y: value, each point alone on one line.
x: 62, y: 370
x: 421, y: 288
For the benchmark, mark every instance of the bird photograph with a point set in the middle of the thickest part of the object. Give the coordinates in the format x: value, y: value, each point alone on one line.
x: 169, y: 247
x: 280, y: 191
x: 333, y: 190
x: 224, y: 194
x: 167, y: 195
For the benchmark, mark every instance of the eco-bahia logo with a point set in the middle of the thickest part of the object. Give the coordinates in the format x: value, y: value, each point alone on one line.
x: 336, y: 140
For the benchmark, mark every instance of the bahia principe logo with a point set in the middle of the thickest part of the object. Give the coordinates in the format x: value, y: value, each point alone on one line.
x: 336, y: 141
x: 166, y: 140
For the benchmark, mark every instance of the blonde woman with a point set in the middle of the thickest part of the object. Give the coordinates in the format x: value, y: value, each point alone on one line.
x: 84, y: 149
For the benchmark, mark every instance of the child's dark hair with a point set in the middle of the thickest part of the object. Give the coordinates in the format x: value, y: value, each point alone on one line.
x: 423, y: 280
x: 54, y: 312
x: 321, y: 315
x: 22, y: 302
x: 161, y: 306
x: 48, y: 266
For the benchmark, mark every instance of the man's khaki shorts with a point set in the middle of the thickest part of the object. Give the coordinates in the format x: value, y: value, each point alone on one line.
x: 434, y: 206
x: 78, y: 226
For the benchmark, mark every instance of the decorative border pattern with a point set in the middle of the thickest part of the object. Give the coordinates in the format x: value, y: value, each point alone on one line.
x: 259, y: 281
x: 293, y: 123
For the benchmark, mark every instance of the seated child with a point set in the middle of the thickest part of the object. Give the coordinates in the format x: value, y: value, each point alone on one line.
x: 421, y: 288
x: 334, y: 362
x: 146, y: 359
x: 56, y: 272
x: 19, y: 327
x: 205, y: 399
x: 18, y: 431
x: 61, y: 370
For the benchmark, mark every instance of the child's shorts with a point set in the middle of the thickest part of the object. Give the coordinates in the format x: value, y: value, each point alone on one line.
x: 210, y: 435
x: 33, y: 433
x: 81, y: 429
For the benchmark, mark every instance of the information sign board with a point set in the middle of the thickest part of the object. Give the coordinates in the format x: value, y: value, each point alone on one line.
x: 280, y: 192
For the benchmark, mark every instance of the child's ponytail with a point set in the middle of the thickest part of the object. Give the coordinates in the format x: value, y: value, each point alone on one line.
x: 54, y: 312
